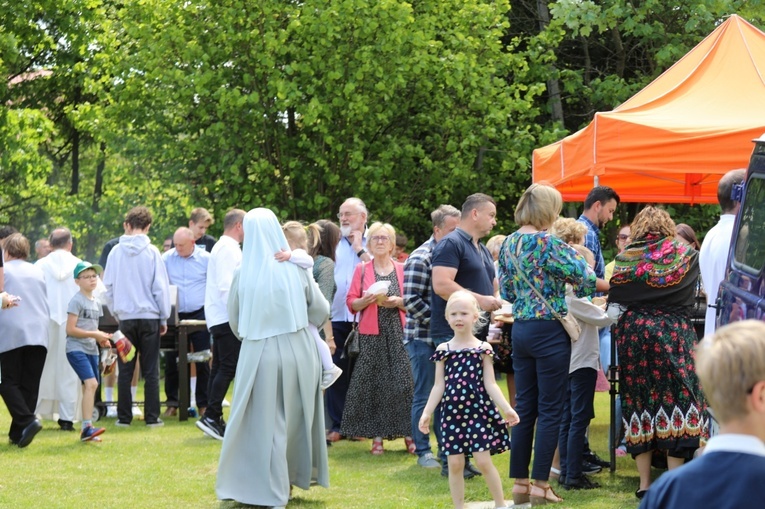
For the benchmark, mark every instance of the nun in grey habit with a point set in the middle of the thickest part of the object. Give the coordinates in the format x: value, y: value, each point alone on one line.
x: 275, y: 433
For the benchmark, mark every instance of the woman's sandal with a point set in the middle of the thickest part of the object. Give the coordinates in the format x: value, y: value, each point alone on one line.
x: 548, y: 496
x: 410, y: 445
x: 377, y: 447
x: 521, y: 493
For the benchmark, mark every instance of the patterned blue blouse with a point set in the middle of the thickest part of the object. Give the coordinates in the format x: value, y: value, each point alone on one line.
x: 548, y: 263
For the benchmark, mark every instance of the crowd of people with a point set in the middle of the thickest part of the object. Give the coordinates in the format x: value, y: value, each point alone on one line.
x: 429, y: 329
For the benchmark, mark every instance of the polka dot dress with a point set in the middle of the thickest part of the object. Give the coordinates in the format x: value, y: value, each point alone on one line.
x: 470, y: 420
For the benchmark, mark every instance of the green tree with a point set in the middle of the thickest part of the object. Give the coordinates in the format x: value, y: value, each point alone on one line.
x: 298, y: 106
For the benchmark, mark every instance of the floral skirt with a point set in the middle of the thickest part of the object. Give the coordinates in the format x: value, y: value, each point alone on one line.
x: 662, y: 403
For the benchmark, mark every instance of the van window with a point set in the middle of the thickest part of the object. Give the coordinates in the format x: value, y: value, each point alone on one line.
x: 749, y: 253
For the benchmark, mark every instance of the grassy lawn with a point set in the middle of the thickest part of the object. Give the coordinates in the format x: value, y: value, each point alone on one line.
x: 175, y: 467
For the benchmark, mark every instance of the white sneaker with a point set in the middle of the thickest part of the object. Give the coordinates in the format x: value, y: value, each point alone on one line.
x: 111, y: 411
x: 225, y: 403
x: 137, y: 411
x: 330, y: 376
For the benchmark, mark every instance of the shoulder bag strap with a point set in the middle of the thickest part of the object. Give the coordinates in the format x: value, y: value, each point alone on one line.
x: 356, y: 315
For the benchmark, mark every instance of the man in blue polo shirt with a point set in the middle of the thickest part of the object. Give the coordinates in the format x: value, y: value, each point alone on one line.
x: 461, y: 262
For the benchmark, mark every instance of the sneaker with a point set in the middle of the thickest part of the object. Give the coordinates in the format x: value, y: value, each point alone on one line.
x: 90, y: 433
x: 583, y: 483
x: 427, y: 460
x: 137, y: 411
x: 203, y: 356
x: 211, y: 427
x: 330, y: 376
x: 122, y: 424
x: 111, y: 411
x: 590, y: 468
x: 225, y: 403
x: 593, y: 458
x: 157, y: 424
x: 466, y: 474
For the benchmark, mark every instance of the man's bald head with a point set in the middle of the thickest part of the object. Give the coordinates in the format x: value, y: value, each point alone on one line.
x: 61, y: 238
x: 183, y: 238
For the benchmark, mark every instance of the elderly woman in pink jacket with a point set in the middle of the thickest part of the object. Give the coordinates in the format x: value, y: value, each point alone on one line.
x: 379, y: 400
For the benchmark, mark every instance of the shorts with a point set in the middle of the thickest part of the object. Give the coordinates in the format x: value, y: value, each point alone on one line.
x: 85, y: 365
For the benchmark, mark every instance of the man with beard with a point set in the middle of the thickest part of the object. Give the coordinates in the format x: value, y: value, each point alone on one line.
x: 599, y: 207
x: 350, y: 251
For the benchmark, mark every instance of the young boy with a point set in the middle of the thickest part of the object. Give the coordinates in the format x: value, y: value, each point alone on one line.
x: 578, y: 407
x: 82, y: 340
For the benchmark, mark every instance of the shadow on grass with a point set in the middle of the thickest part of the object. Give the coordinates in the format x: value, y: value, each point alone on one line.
x: 294, y: 502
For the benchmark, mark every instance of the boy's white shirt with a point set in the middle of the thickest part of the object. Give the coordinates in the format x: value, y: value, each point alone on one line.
x: 585, y: 353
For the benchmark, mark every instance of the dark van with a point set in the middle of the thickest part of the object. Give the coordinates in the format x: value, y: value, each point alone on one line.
x: 742, y: 292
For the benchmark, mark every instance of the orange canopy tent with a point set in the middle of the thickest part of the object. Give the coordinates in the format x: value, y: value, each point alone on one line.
x: 671, y: 142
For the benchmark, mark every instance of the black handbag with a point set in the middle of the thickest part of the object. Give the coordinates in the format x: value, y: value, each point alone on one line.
x: 352, y: 348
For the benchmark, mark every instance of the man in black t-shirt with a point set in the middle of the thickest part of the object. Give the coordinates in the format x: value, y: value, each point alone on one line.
x: 461, y: 262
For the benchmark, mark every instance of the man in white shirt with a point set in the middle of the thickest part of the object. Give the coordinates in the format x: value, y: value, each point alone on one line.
x: 713, y: 256
x: 350, y: 251
x: 59, y: 385
x: 225, y: 258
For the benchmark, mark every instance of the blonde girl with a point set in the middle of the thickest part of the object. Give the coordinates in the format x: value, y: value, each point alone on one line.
x: 469, y: 395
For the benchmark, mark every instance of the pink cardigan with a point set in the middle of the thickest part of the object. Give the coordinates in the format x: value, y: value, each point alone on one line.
x: 368, y: 315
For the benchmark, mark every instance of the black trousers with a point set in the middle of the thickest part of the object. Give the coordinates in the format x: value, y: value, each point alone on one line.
x: 200, y: 341
x: 144, y: 334
x: 225, y: 350
x: 21, y: 371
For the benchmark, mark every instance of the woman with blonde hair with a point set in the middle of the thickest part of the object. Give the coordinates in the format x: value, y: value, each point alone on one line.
x: 379, y: 400
x: 654, y: 281
x: 541, y: 346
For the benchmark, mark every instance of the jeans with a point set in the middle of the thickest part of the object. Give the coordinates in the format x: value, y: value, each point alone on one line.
x: 335, y: 395
x: 605, y: 348
x: 541, y: 357
x: 225, y: 350
x: 85, y: 365
x: 144, y: 334
x: 424, y: 373
x: 201, y: 341
x: 578, y: 410
x: 21, y: 369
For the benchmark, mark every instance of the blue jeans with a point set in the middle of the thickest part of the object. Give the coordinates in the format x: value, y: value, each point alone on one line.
x: 578, y: 410
x: 541, y: 357
x: 424, y: 374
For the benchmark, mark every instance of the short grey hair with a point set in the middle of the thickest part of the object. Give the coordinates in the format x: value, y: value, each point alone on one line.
x: 439, y: 215
x: 358, y: 204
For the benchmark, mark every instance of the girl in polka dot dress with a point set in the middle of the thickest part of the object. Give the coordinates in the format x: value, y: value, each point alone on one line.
x: 465, y: 388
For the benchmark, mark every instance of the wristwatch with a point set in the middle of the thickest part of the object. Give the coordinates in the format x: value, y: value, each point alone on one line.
x: 361, y: 252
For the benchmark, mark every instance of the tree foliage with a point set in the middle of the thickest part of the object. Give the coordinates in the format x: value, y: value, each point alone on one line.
x: 298, y: 105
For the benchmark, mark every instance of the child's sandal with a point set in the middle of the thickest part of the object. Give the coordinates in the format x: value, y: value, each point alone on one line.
x: 410, y: 446
x: 377, y: 447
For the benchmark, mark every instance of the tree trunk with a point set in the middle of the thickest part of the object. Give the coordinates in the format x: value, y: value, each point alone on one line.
x: 553, y: 87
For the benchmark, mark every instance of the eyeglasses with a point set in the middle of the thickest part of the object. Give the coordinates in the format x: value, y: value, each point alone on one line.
x: 346, y: 214
x: 380, y: 238
x: 622, y: 236
x: 92, y: 276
